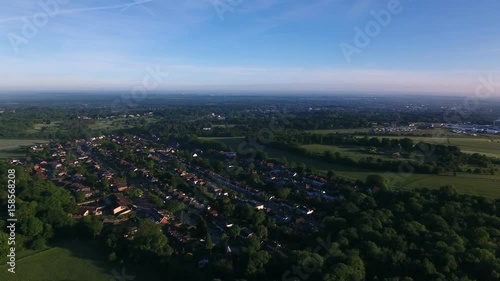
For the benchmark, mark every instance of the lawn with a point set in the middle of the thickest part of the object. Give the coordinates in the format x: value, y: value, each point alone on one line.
x: 11, y: 148
x: 69, y: 261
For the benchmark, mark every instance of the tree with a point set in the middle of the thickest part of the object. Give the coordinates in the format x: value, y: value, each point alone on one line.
x: 80, y: 196
x: 174, y: 206
x: 283, y: 192
x: 258, y: 218
x: 252, y: 244
x: 407, y: 144
x: 330, y: 174
x: 262, y: 231
x: 32, y: 227
x: 4, y: 246
x: 234, y: 231
x: 38, y: 244
x: 149, y: 243
x: 92, y: 226
x: 208, y: 242
x: 301, y: 167
x: 257, y: 261
x: 378, y: 181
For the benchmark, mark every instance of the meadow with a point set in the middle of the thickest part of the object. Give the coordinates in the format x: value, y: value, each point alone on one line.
x: 69, y: 261
x: 485, y: 185
x: 483, y: 144
x: 354, y: 152
x: 487, y: 144
x: 341, y: 131
x: 11, y: 148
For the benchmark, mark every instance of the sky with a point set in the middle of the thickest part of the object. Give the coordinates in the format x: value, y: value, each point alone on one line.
x: 331, y: 46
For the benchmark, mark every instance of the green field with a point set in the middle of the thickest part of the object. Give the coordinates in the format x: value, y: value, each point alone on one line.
x: 120, y: 123
x: 75, y: 261
x: 485, y: 185
x: 39, y: 127
x: 223, y: 126
x: 483, y: 144
x: 354, y: 152
x: 340, y: 131
x: 11, y: 148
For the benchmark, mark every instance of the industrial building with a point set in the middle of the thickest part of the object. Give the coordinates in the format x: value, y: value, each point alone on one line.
x: 496, y: 123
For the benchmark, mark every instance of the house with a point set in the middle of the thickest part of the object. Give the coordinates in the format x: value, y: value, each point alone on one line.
x: 230, y: 154
x: 107, y: 175
x: 154, y: 215
x: 120, y: 186
x: 97, y: 211
x: 246, y: 233
x: 78, y: 177
x: 83, y: 212
x: 305, y: 210
x: 256, y: 205
x: 202, y: 263
x: 119, y: 205
x: 272, y: 245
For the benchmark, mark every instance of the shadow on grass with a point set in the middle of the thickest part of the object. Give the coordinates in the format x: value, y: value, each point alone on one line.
x: 12, y: 153
x: 90, y: 251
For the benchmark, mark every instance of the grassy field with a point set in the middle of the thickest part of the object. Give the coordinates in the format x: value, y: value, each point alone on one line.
x: 70, y: 261
x: 485, y: 185
x: 340, y: 131
x: 483, y: 144
x: 120, y: 123
x: 38, y: 127
x: 422, y: 132
x: 355, y: 152
x: 11, y: 148
x: 223, y: 126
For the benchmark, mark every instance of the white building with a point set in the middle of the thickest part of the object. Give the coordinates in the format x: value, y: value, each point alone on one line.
x: 496, y: 123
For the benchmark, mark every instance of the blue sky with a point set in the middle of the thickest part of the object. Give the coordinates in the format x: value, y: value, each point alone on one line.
x: 254, y: 45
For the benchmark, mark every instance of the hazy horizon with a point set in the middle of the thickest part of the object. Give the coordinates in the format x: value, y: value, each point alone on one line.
x: 326, y: 46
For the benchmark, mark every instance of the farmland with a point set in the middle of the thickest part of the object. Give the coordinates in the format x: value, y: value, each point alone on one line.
x: 483, y: 144
x: 12, y: 147
x: 340, y: 131
x: 354, y: 152
x: 486, y: 185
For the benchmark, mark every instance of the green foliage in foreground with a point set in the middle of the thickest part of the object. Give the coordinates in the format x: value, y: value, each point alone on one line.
x: 414, y: 235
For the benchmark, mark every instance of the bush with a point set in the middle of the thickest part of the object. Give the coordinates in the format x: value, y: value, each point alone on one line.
x: 38, y: 244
